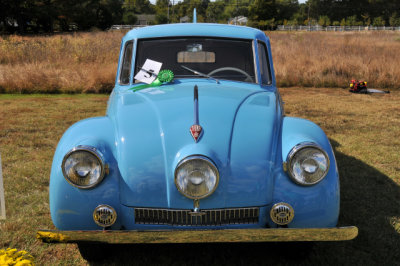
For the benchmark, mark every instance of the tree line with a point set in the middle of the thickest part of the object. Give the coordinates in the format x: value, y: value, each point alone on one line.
x: 37, y: 16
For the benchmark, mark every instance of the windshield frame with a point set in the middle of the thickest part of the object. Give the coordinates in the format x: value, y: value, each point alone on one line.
x: 252, y: 42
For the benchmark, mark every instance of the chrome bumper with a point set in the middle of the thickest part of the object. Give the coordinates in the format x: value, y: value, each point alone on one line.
x: 200, y: 236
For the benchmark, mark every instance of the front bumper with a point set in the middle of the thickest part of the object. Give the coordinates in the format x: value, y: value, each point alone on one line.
x: 200, y: 236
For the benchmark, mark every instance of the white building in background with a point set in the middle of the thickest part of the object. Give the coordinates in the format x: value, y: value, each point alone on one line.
x: 240, y: 20
x: 184, y: 19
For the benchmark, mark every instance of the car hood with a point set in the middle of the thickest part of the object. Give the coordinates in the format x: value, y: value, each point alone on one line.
x: 152, y: 126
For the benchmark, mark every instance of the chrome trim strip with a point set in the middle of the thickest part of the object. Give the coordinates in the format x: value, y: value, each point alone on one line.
x: 268, y: 64
x: 196, y: 104
x: 120, y: 66
x: 200, y: 236
x: 256, y: 68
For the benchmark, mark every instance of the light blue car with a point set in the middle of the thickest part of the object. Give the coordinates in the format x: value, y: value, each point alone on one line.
x: 195, y: 147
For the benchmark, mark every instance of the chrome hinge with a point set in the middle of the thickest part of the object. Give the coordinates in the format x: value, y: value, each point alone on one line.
x: 285, y: 167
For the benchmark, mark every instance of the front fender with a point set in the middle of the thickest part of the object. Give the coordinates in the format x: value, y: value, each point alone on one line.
x: 72, y: 208
x: 297, y: 130
x: 317, y: 205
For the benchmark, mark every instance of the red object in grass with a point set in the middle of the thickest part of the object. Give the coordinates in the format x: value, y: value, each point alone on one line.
x: 357, y: 86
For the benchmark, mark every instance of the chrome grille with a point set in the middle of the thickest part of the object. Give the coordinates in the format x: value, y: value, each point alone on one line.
x: 187, y: 218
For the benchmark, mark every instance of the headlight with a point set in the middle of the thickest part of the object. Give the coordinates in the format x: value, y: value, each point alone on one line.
x: 196, y: 177
x: 307, y: 164
x: 83, y: 167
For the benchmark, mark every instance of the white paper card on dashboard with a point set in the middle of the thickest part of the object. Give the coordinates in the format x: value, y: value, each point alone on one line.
x: 149, y: 71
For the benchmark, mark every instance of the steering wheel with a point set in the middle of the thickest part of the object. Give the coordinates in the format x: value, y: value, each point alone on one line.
x: 248, y: 77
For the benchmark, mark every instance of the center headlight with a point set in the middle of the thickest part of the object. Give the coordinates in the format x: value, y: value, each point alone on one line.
x: 196, y: 177
x: 308, y: 164
x: 83, y: 167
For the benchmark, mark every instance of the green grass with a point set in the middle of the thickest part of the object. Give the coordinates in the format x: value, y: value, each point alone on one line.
x: 363, y: 129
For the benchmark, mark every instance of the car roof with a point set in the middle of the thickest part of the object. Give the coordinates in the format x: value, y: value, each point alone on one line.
x: 195, y: 29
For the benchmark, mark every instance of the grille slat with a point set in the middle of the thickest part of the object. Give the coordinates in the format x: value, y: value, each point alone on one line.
x: 208, y: 218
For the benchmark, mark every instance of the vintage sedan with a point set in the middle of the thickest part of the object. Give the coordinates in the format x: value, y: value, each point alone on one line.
x: 195, y: 147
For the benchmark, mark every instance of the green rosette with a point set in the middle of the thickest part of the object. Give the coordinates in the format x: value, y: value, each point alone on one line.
x: 164, y: 76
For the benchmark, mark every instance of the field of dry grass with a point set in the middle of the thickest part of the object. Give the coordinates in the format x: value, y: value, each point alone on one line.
x: 82, y: 62
x: 332, y: 59
x: 87, y: 62
x: 363, y: 130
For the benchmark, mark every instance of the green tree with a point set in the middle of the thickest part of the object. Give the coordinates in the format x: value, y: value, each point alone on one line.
x: 89, y: 13
x: 262, y: 10
x: 378, y: 22
x: 324, y: 21
x: 214, y: 12
x: 162, y: 11
x: 352, y: 21
x: 301, y: 14
x: 285, y: 9
x: 44, y: 15
x: 394, y: 20
x: 138, y: 7
x: 129, y: 18
x: 185, y: 8
x: 366, y: 19
x: 21, y: 12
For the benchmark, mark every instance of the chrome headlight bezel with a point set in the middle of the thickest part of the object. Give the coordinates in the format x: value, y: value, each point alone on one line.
x: 210, y: 163
x: 298, y: 148
x: 97, y: 154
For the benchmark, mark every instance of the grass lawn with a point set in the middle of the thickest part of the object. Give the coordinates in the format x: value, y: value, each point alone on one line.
x: 364, y: 131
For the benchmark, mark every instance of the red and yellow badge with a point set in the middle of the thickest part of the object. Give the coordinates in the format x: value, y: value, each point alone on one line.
x: 196, y: 131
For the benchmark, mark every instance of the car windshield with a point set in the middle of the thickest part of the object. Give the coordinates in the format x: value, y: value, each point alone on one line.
x: 188, y: 57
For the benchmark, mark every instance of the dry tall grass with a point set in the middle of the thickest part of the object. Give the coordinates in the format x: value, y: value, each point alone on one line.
x: 87, y: 62
x: 84, y: 62
x: 329, y: 59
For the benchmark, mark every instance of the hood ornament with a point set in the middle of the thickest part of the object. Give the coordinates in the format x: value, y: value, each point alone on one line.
x: 196, y: 130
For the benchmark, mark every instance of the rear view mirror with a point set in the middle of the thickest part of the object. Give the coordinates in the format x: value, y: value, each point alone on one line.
x: 196, y: 57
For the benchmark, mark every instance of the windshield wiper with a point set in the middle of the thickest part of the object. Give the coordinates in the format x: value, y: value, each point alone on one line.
x: 200, y: 74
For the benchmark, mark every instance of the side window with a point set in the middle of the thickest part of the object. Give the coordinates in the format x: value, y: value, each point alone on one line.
x: 126, y: 64
x: 264, y: 64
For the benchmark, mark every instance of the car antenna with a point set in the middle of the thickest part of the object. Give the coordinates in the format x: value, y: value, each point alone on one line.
x: 194, y: 15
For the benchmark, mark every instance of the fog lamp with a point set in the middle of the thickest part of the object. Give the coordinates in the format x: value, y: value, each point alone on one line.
x: 282, y: 213
x: 104, y: 215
